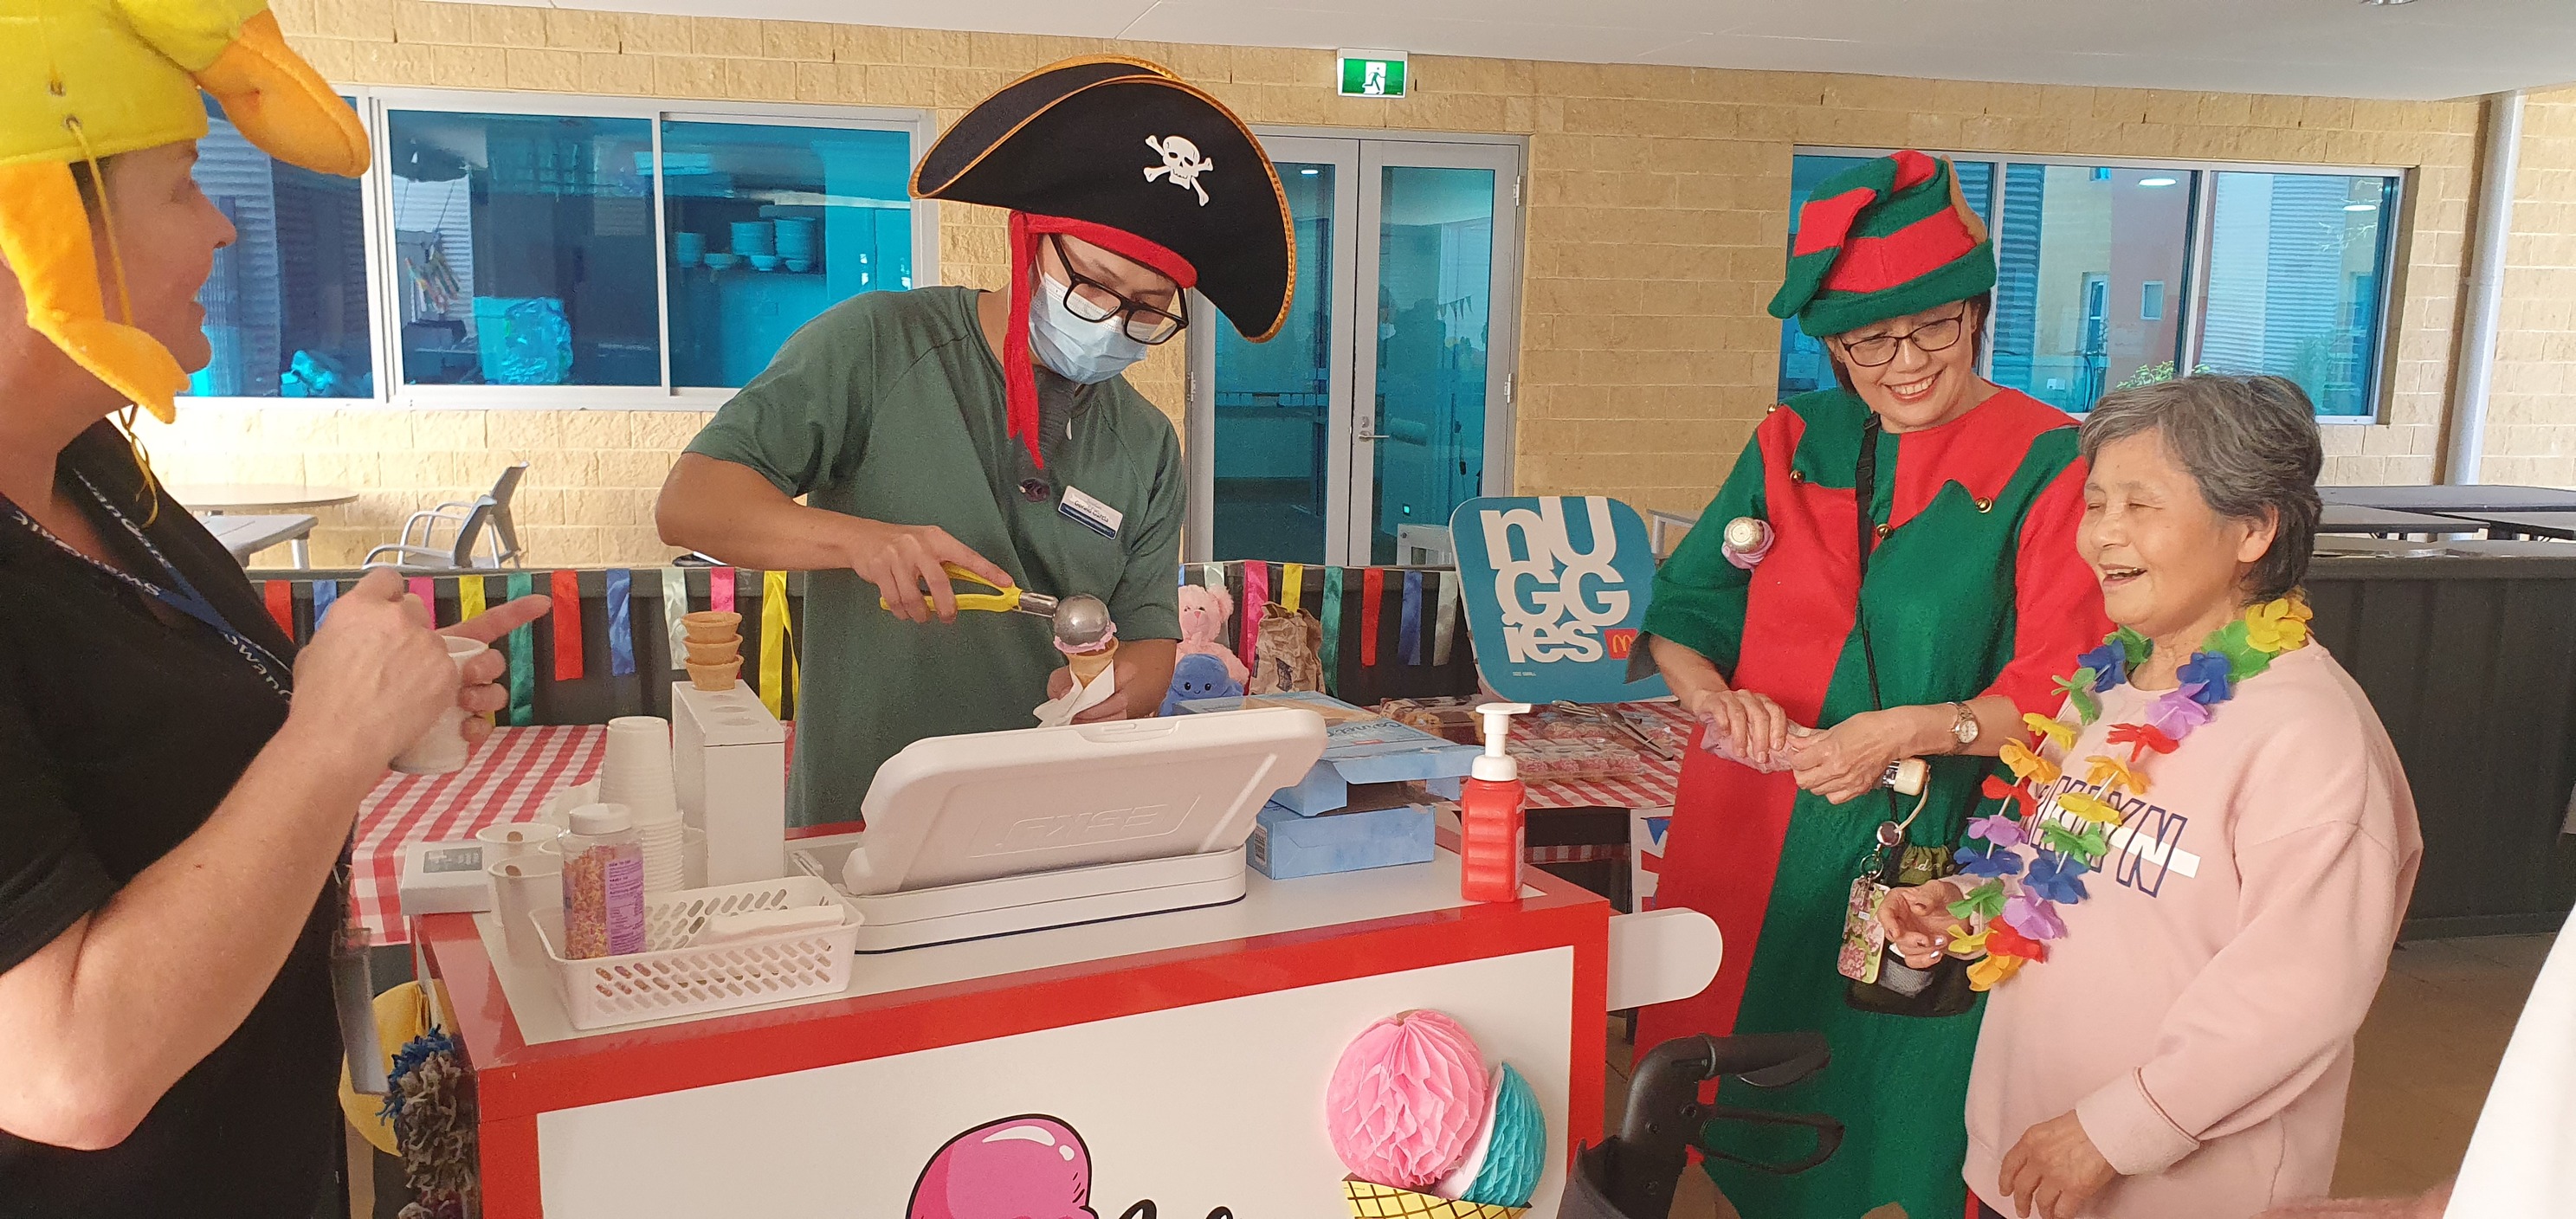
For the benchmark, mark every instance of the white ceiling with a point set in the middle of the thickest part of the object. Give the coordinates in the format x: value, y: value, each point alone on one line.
x: 2425, y: 49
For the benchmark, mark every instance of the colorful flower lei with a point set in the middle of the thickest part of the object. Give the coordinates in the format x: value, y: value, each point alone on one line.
x: 2049, y: 857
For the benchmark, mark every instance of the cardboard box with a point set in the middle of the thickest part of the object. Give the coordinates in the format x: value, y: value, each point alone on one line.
x: 1360, y: 746
x: 1287, y: 844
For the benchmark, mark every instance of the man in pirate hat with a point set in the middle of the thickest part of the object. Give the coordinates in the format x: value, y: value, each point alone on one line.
x: 993, y: 431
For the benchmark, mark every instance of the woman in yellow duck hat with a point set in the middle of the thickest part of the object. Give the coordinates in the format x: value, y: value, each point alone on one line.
x: 179, y: 780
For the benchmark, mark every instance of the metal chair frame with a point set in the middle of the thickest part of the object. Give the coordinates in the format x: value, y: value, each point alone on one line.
x: 484, y: 520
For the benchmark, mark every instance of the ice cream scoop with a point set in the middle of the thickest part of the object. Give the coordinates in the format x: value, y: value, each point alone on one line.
x: 1406, y: 1100
x: 1081, y: 620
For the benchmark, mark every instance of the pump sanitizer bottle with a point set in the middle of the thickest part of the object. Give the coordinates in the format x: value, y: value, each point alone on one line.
x: 1493, y: 830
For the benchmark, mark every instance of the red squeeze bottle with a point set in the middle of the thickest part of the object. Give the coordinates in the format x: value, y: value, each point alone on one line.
x: 1493, y: 832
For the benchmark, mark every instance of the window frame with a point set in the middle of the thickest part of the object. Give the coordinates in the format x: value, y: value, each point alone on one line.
x: 2190, y: 296
x: 375, y: 194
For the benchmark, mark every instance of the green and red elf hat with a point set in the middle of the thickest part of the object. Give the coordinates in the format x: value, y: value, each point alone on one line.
x: 1124, y: 155
x: 1884, y: 239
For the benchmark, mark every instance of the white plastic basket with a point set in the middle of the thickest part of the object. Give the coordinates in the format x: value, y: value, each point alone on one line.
x: 665, y: 981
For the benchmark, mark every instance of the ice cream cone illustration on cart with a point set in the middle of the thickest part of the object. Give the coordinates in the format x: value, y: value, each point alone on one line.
x: 1369, y: 1201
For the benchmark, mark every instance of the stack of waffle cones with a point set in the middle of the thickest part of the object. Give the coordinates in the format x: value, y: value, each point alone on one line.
x: 715, y: 648
x: 1368, y: 1201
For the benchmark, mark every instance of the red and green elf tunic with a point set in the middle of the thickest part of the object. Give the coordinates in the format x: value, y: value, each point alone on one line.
x: 1975, y: 589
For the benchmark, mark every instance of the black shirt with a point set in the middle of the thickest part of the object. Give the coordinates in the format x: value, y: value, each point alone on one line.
x: 120, y: 732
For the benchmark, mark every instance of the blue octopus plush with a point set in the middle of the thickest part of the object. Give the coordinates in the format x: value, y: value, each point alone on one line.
x: 1199, y: 675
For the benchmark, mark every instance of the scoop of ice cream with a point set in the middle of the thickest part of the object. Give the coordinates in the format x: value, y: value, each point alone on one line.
x: 1016, y: 1168
x: 1108, y: 636
x: 1406, y: 1099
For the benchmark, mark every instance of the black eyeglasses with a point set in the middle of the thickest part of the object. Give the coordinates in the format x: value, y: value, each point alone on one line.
x: 1927, y: 338
x: 1143, y: 323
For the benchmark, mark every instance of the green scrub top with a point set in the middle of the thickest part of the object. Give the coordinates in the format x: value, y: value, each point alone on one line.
x: 889, y: 406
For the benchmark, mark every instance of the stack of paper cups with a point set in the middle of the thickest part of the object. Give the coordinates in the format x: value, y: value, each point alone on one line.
x: 637, y: 774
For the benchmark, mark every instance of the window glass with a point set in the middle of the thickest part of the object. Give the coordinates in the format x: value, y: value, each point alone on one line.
x: 286, y: 302
x: 2076, y: 243
x: 770, y: 225
x: 523, y: 247
x: 2297, y: 265
x: 1804, y: 366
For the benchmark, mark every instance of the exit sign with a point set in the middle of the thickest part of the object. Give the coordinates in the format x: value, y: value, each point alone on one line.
x: 1373, y: 73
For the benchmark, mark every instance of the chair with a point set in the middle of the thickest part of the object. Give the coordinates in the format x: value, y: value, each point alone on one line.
x: 484, y: 521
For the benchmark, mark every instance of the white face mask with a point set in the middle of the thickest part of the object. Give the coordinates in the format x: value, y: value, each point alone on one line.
x: 1086, y: 353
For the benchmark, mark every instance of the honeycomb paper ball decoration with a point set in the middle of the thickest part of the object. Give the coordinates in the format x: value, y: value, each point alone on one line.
x: 1406, y: 1099
x: 1516, y: 1153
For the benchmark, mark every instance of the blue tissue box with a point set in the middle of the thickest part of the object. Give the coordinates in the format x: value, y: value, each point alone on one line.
x: 1287, y: 844
x: 1360, y: 746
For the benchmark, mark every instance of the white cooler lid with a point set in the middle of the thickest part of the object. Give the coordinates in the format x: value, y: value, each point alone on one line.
x: 954, y: 809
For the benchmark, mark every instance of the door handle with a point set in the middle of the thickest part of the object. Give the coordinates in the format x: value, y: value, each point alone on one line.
x: 1367, y: 430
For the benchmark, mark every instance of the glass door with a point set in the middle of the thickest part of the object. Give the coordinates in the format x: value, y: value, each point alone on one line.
x: 1271, y: 422
x: 1382, y: 403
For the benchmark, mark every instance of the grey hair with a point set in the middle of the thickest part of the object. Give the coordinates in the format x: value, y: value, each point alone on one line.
x: 2249, y: 443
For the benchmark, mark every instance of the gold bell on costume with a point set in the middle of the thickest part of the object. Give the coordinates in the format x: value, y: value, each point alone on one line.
x: 88, y: 79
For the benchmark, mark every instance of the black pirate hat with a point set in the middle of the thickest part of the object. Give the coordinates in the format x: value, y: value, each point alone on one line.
x: 1123, y: 154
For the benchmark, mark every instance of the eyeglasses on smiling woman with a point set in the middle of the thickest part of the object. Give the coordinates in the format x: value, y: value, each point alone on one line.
x: 1927, y: 338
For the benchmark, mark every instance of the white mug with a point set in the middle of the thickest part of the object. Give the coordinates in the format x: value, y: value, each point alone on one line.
x: 442, y: 748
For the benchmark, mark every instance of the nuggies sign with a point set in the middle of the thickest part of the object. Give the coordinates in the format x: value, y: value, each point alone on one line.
x: 1555, y: 588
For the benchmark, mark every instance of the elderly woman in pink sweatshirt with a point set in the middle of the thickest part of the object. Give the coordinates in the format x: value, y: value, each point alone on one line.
x: 2184, y: 897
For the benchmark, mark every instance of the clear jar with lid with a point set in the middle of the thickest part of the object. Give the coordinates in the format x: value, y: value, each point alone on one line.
x: 603, y: 883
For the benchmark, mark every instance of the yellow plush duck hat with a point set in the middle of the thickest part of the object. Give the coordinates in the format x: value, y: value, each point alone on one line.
x: 92, y: 78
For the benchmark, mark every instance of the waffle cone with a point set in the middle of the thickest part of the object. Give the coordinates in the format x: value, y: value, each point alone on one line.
x: 716, y: 653
x: 1370, y: 1201
x: 715, y: 677
x: 712, y: 626
x: 1088, y: 665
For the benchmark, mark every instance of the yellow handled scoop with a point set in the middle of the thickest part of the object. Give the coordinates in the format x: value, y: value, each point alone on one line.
x: 1080, y: 620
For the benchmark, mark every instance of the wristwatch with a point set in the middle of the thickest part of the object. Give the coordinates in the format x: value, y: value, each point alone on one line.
x: 1964, y: 729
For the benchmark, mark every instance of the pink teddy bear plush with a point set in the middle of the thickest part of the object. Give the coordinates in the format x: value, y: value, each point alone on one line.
x: 1203, y: 614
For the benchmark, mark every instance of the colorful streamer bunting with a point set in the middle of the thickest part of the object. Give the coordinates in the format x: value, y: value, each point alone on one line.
x: 427, y: 590
x: 566, y: 589
x: 324, y: 593
x: 523, y: 650
x: 1212, y: 575
x: 1256, y: 594
x: 720, y: 590
x: 620, y: 594
x: 1331, y: 612
x: 675, y: 604
x: 1372, y: 591
x: 280, y: 596
x: 469, y: 598
x: 1443, y: 633
x: 1409, y: 628
x: 1292, y: 585
x: 773, y: 640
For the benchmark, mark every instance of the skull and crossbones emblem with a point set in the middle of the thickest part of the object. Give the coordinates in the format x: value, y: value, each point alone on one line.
x: 1182, y: 161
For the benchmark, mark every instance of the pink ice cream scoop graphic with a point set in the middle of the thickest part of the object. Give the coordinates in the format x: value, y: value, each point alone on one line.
x: 1028, y: 1167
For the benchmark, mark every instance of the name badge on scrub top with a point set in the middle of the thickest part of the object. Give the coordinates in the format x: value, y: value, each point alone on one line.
x: 1082, y: 509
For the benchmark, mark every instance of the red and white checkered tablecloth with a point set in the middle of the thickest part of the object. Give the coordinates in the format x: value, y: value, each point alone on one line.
x: 506, y: 780
x: 1653, y: 787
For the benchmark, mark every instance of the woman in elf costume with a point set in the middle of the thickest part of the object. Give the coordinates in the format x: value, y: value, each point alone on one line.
x: 2186, y: 895
x: 1973, y: 590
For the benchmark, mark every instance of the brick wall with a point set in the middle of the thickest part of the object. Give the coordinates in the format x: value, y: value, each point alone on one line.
x: 1655, y: 227
x: 2531, y: 412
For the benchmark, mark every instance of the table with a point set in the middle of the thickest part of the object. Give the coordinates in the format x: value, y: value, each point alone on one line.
x: 245, y: 536
x: 2560, y: 525
x: 506, y: 780
x: 2468, y: 498
x: 2364, y: 518
x: 216, y: 499
x: 1187, y: 1051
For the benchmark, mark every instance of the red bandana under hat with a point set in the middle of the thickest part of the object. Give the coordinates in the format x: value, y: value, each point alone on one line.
x: 1019, y: 374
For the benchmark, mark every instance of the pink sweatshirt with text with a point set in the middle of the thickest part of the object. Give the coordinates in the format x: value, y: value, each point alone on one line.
x: 2198, y: 1016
